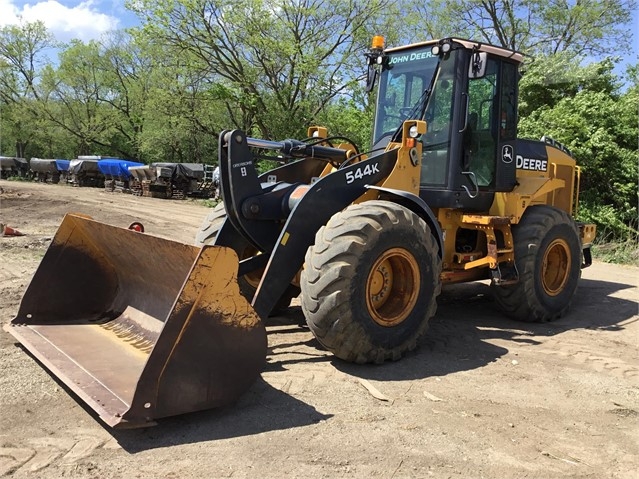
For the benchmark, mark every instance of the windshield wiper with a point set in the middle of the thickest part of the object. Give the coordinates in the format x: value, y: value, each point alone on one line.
x: 418, y: 110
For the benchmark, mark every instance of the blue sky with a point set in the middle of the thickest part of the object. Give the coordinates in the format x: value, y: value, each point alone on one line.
x: 67, y: 19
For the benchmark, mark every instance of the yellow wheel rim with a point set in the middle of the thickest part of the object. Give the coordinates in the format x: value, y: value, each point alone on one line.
x: 556, y: 267
x: 392, y: 287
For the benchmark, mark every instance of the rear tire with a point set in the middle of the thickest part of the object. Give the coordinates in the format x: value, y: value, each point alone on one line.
x: 248, y: 283
x: 370, y: 282
x: 548, y: 258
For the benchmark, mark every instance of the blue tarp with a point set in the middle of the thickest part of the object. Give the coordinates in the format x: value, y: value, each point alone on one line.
x: 62, y: 165
x: 117, y: 167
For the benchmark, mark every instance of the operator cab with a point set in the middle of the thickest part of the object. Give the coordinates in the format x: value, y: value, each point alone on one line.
x: 467, y: 94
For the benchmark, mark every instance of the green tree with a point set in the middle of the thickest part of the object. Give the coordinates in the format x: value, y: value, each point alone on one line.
x: 72, y: 98
x: 583, y: 27
x: 550, y: 79
x: 184, y: 112
x: 281, y: 62
x: 126, y: 66
x: 22, y: 55
x: 347, y: 118
x: 600, y: 126
x: 98, y: 94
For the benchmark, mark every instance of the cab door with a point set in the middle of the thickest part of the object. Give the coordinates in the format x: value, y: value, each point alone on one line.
x: 491, y: 128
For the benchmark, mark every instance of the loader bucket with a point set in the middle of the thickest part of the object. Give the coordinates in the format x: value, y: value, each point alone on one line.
x: 140, y: 327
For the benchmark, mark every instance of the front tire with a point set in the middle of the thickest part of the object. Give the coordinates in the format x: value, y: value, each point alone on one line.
x: 370, y: 282
x: 548, y: 258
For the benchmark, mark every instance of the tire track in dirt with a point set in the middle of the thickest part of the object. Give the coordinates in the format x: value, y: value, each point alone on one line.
x: 550, y: 415
x: 595, y: 360
x: 40, y: 453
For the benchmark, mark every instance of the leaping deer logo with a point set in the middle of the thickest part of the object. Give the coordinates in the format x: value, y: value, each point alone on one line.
x: 507, y: 154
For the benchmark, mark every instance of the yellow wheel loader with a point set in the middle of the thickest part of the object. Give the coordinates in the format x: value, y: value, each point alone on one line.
x: 143, y: 328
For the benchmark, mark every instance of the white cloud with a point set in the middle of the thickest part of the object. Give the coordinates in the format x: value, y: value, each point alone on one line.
x: 82, y: 20
x: 9, y: 13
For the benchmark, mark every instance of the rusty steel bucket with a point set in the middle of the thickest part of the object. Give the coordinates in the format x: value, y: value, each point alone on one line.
x: 140, y: 327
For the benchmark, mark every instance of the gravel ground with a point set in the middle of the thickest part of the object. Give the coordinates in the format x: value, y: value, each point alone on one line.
x: 481, y: 397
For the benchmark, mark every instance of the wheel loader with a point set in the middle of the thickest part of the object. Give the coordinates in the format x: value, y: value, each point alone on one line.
x: 142, y: 328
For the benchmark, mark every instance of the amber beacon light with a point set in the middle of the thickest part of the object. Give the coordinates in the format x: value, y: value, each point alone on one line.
x: 378, y: 42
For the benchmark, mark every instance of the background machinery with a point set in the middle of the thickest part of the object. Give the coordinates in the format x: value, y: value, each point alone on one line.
x: 448, y: 194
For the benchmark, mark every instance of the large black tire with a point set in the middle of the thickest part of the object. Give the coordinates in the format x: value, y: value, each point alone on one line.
x: 370, y: 282
x: 548, y: 259
x: 211, y: 226
x: 248, y: 283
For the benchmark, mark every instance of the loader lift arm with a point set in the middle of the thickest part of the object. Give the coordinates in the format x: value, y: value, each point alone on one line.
x: 280, y: 219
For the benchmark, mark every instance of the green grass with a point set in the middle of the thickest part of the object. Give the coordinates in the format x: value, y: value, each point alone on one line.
x: 611, y: 249
x: 18, y: 178
x: 210, y: 203
x: 626, y: 252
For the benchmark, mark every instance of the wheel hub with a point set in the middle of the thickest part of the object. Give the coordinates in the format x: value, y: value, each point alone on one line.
x: 392, y: 287
x: 380, y: 282
x: 556, y: 267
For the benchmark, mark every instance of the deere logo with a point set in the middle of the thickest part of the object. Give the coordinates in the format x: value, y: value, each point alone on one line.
x: 507, y: 154
x: 532, y: 164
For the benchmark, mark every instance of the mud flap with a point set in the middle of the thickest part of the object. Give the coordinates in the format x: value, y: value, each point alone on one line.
x: 140, y: 327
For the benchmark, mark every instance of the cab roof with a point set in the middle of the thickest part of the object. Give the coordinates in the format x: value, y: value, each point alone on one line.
x: 469, y: 44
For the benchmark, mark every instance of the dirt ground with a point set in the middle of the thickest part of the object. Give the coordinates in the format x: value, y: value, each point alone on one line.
x: 482, y: 397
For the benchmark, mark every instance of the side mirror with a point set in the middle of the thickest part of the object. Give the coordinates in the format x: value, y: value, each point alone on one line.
x: 375, y: 59
x: 371, y: 76
x: 477, y: 68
